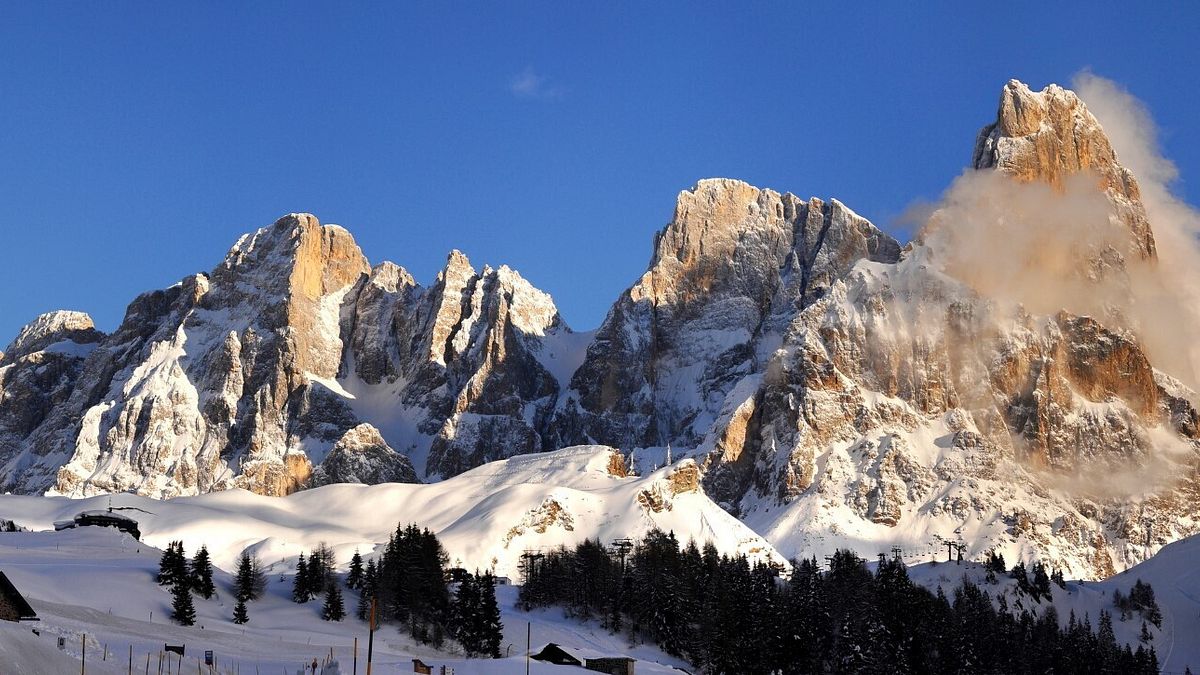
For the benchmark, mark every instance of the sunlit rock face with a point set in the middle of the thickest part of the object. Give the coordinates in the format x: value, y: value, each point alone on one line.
x: 795, y: 363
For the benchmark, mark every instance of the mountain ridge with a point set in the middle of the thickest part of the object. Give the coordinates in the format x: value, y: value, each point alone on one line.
x: 831, y: 385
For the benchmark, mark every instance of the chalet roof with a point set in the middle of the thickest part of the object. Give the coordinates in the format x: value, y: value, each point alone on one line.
x: 13, y: 596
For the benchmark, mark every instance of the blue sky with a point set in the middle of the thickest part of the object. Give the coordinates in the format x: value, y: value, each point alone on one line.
x: 138, y: 140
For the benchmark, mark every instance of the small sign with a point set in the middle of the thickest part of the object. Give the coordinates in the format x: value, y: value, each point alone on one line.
x: 208, y: 657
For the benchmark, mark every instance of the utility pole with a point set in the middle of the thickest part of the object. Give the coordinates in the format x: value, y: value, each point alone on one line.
x: 528, y: 644
x: 83, y: 663
x: 355, y: 671
x: 371, y: 636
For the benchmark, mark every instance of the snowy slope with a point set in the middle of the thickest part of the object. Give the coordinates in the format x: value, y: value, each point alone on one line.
x: 100, y: 583
x: 485, y: 518
x: 1173, y: 573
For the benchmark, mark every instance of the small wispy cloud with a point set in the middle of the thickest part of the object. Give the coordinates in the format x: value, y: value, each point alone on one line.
x: 528, y: 84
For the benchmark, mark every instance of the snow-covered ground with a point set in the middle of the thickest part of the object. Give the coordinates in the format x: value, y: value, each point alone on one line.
x: 486, y: 518
x: 1174, y: 573
x: 98, y: 585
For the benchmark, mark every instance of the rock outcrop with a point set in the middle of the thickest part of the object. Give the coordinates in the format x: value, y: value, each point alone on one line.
x: 809, y: 373
x: 362, y: 456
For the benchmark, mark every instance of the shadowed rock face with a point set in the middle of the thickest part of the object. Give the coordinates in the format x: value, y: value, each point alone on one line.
x: 812, y: 375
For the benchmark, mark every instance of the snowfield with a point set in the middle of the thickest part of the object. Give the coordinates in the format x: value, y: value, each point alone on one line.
x: 98, y: 585
x: 486, y: 518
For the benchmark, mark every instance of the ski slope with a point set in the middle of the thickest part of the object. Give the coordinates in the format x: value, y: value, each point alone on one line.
x: 98, y: 585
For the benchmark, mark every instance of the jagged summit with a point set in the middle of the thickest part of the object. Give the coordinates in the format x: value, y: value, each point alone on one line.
x: 1050, y: 135
x: 57, y: 325
x: 823, y: 383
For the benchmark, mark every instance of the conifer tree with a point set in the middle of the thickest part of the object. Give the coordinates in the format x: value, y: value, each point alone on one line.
x: 240, y: 615
x: 354, y: 576
x: 243, y: 583
x: 465, y: 615
x: 334, y: 609
x: 172, y: 566
x: 183, y: 611
x: 201, y: 577
x: 317, y: 575
x: 367, y: 591
x: 300, y: 592
x: 491, y: 628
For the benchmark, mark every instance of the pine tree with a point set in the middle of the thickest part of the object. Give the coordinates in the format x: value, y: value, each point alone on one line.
x: 367, y: 591
x: 172, y: 566
x: 258, y: 578
x: 1041, y: 581
x: 300, y: 592
x: 243, y: 584
x: 201, y: 576
x: 333, y: 610
x: 317, y: 575
x: 354, y: 576
x: 182, y: 610
x: 465, y: 615
x: 240, y: 616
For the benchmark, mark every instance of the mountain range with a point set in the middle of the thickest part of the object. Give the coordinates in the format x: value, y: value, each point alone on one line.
x: 990, y: 381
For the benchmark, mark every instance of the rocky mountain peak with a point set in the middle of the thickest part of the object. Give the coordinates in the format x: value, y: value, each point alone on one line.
x: 53, y: 327
x: 1049, y: 136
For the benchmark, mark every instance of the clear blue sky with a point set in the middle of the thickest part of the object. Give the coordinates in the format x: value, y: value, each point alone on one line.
x: 138, y: 140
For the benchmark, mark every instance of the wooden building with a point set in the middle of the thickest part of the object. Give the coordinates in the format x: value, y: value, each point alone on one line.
x: 13, y: 606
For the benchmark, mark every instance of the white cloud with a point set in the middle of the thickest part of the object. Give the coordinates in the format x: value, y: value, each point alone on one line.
x: 528, y: 84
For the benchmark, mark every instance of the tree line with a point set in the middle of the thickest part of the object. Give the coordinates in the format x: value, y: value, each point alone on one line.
x: 408, y: 584
x: 727, y: 615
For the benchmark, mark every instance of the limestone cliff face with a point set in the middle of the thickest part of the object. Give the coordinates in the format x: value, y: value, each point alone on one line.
x: 813, y: 376
x: 1050, y: 135
x: 729, y: 273
x: 467, y: 363
x: 38, y: 371
x: 209, y: 383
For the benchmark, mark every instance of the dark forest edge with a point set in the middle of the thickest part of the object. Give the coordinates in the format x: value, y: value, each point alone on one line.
x: 727, y: 615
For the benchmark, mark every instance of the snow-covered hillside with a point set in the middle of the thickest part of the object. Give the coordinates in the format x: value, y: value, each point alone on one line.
x: 1173, y: 573
x: 99, y: 583
x: 486, y: 518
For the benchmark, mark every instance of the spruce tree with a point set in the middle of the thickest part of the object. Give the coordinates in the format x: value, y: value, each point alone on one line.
x: 182, y: 610
x: 300, y: 592
x: 317, y: 574
x: 243, y: 585
x: 366, y: 591
x: 201, y: 577
x: 172, y: 566
x: 465, y: 615
x: 491, y: 629
x: 354, y: 576
x: 240, y: 616
x: 333, y: 610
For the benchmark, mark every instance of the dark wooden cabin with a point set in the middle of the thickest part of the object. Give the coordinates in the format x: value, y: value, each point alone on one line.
x: 552, y: 653
x: 13, y: 606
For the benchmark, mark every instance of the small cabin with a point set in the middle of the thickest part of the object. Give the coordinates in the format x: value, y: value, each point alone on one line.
x: 586, y: 658
x: 552, y: 653
x: 613, y: 665
x: 102, y: 519
x: 13, y: 606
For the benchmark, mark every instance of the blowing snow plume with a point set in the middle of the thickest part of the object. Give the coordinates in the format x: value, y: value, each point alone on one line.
x: 1166, y: 294
x: 1061, y: 225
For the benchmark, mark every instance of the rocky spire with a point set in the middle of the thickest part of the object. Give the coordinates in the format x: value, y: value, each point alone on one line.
x: 1049, y: 136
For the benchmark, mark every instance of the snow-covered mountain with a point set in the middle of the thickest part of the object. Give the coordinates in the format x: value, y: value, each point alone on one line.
x: 486, y: 518
x: 989, y: 381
